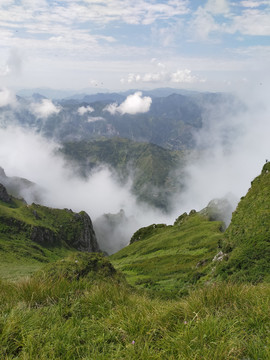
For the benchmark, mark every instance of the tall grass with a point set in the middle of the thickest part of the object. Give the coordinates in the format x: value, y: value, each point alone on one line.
x: 107, y: 319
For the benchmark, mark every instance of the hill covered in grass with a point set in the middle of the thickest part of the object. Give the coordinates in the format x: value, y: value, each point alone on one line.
x: 246, y: 242
x: 35, y: 234
x: 171, y: 258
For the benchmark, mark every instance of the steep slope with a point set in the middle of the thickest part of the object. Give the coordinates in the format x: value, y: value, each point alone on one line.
x: 171, y: 258
x: 37, y: 234
x: 247, y: 239
x: 153, y: 169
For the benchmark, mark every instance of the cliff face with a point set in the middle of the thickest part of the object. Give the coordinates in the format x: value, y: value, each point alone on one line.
x: 84, y: 239
x: 44, y: 226
x: 4, y: 195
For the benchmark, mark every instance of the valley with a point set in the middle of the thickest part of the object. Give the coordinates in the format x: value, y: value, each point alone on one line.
x: 153, y: 279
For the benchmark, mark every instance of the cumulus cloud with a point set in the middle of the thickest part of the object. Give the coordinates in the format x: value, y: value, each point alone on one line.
x: 6, y: 97
x: 44, y: 109
x: 85, y: 109
x: 133, y: 104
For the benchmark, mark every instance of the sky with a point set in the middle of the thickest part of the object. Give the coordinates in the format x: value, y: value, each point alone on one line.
x: 123, y: 44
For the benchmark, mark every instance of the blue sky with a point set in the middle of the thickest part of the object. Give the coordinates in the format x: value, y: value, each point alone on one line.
x: 119, y: 44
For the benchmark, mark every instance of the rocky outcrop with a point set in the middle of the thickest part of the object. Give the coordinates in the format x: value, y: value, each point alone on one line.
x: 47, y: 226
x: 4, y: 195
x: 85, y: 239
x: 43, y: 236
x: 77, y: 232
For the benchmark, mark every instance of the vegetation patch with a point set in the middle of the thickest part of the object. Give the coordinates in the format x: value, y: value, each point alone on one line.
x: 171, y: 258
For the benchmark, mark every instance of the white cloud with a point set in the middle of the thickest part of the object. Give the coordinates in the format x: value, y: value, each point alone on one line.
x: 45, y: 108
x: 85, y: 109
x: 6, y: 97
x: 252, y: 22
x: 184, y: 76
x: 95, y: 118
x: 202, y: 25
x: 217, y: 6
x: 4, y: 70
x: 13, y: 64
x: 179, y: 76
x: 155, y: 77
x: 254, y: 4
x: 133, y: 104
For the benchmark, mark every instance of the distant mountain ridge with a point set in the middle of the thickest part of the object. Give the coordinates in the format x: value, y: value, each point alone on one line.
x: 171, y: 122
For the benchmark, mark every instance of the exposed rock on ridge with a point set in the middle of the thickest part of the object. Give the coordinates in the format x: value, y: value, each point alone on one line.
x: 4, y: 195
x: 86, y: 239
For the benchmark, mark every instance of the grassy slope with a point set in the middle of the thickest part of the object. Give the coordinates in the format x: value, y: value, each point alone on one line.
x: 19, y: 254
x: 247, y: 239
x: 171, y: 257
x: 82, y: 309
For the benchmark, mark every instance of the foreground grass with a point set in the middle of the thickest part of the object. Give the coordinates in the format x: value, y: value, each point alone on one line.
x: 98, y: 316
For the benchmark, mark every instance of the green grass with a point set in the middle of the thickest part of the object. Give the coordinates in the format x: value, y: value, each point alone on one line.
x: 21, y: 254
x: 247, y: 238
x: 170, y: 258
x: 99, y: 316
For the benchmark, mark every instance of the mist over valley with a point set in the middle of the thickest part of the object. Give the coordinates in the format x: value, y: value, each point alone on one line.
x: 131, y: 159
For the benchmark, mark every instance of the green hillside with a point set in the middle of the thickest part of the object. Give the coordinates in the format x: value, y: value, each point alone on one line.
x: 31, y: 235
x: 171, y: 258
x: 247, y: 239
x: 153, y: 169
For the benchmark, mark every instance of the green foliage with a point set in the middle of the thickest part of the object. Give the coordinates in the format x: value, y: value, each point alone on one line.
x: 171, y: 259
x: 247, y: 238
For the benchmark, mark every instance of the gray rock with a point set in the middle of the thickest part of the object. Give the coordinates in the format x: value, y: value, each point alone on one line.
x: 43, y: 236
x: 4, y: 195
x: 220, y: 256
x: 86, y: 239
